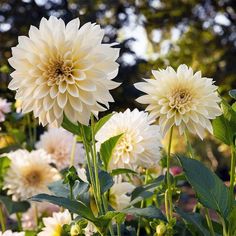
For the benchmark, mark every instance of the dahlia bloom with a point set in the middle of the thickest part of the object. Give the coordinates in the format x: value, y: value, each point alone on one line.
x: 118, y: 197
x: 58, y: 143
x: 5, y: 107
x: 140, y: 143
x: 181, y: 98
x: 29, y: 174
x: 10, y: 233
x: 54, y: 224
x: 63, y: 69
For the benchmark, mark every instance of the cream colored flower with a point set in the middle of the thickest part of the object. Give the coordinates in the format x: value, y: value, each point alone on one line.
x: 5, y: 107
x: 29, y: 174
x: 63, y: 69
x: 10, y: 233
x: 58, y: 143
x: 90, y: 229
x: 140, y: 143
x: 54, y: 224
x: 118, y: 197
x: 181, y: 98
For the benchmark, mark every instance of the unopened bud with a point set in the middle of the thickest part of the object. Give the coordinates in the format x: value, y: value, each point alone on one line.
x: 75, y: 230
x: 160, y: 229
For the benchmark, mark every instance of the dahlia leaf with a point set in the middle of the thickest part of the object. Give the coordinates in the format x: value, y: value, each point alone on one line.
x: 211, y: 191
x: 101, y: 122
x: 106, y: 181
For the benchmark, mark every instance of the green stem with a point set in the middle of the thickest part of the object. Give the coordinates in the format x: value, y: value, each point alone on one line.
x: 71, y: 198
x: 104, y: 201
x: 232, y: 172
x: 168, y: 178
x: 72, y: 154
x: 18, y: 216
x: 224, y: 226
x: 189, y: 146
x: 2, y: 220
x: 29, y: 130
x: 142, y: 204
x: 95, y: 162
x: 36, y: 215
x: 118, y: 230
x: 90, y: 168
x: 209, y: 223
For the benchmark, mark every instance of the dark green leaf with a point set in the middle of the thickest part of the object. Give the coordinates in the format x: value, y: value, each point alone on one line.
x: 120, y: 171
x: 194, y: 219
x: 76, y: 207
x: 59, y: 189
x: 80, y: 188
x: 211, y: 191
x: 71, y: 127
x: 148, y: 212
x: 101, y: 122
x: 107, y: 149
x: 14, y: 207
x: 106, y: 181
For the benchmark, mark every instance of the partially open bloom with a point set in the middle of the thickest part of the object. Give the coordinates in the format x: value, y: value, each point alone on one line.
x: 90, y: 229
x: 181, y: 98
x: 140, y: 143
x: 10, y: 233
x: 118, y: 195
x: 54, y: 224
x: 63, y: 69
x: 5, y: 107
x: 58, y: 143
x: 29, y: 174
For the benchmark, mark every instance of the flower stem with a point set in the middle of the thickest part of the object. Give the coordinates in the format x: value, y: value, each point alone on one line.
x: 118, y: 230
x: 2, y: 219
x: 72, y: 155
x: 18, y: 216
x: 169, y: 193
x: 189, y: 146
x: 209, y: 223
x: 232, y: 172
x: 95, y: 162
x: 142, y: 204
x: 224, y: 225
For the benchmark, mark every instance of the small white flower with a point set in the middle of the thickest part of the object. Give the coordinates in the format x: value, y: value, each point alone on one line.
x: 181, y: 98
x: 10, y: 233
x: 139, y: 144
x: 58, y: 143
x: 54, y: 224
x: 90, y: 229
x: 29, y: 174
x: 63, y: 69
x: 118, y: 197
x: 5, y: 107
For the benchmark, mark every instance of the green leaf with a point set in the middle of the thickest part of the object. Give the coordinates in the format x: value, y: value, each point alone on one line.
x: 14, y: 207
x: 59, y: 189
x: 224, y: 126
x: 194, y: 219
x: 120, y: 171
x: 148, y: 212
x: 104, y: 220
x: 76, y: 207
x: 71, y: 127
x: 211, y: 191
x: 232, y: 220
x: 106, y: 181
x: 101, y: 122
x: 232, y: 93
x: 4, y: 165
x: 107, y: 148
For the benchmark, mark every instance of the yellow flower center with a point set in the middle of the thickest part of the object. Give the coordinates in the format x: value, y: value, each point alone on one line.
x: 58, y: 70
x: 180, y: 100
x: 33, y: 177
x: 57, y: 231
x: 125, y: 145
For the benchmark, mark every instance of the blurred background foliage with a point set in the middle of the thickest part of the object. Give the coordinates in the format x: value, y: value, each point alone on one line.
x: 152, y: 34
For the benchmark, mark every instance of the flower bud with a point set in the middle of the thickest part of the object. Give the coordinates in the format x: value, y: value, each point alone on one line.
x: 160, y: 229
x: 75, y: 230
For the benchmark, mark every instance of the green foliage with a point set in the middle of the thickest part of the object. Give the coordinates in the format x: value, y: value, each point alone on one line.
x: 210, y: 190
x: 4, y: 165
x: 14, y: 207
x: 107, y: 148
x: 120, y: 171
x: 224, y: 126
x: 101, y: 122
x: 232, y: 93
x: 106, y: 181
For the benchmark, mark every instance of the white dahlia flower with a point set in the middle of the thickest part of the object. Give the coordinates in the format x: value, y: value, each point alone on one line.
x: 118, y: 197
x: 58, y: 143
x: 10, y: 233
x: 140, y: 143
x: 5, y: 107
x: 53, y: 225
x: 29, y: 174
x: 63, y: 69
x: 181, y: 98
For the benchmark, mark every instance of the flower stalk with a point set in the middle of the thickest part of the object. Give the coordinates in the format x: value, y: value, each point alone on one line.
x: 232, y: 171
x: 2, y: 219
